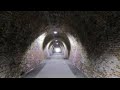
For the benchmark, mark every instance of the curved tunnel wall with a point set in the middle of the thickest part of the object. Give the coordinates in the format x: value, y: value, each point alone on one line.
x: 17, y: 32
x: 34, y: 55
x: 66, y: 52
x: 97, y: 32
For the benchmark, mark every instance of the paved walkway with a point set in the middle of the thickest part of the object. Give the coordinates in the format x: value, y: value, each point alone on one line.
x: 56, y: 67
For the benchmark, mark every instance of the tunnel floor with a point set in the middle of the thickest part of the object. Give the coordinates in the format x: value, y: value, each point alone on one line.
x: 55, y: 67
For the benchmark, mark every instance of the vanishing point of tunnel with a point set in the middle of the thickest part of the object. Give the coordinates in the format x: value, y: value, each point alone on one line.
x: 59, y: 44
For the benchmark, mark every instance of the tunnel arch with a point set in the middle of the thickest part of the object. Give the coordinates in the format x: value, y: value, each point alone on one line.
x: 63, y: 46
x: 61, y: 36
x: 66, y: 51
x: 97, y: 31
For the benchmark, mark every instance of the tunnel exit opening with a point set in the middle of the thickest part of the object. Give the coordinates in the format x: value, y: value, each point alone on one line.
x: 56, y: 41
x: 57, y: 50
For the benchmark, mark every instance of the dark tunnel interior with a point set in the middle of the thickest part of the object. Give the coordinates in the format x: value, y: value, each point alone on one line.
x: 90, y: 40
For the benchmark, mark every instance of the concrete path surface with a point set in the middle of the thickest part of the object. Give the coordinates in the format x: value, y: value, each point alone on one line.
x: 55, y: 67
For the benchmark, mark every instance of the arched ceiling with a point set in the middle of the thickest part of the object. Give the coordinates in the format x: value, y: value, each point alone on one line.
x: 56, y: 43
x: 93, y: 28
x: 59, y: 36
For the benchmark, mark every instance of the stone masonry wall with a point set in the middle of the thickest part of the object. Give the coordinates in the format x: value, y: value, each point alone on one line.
x: 34, y: 55
x: 106, y: 66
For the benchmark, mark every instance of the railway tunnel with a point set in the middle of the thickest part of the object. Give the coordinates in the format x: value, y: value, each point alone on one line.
x: 86, y: 41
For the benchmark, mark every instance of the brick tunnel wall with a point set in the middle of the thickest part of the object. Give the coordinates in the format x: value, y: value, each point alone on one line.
x: 99, y: 33
x: 34, y: 55
x: 18, y: 30
x: 106, y: 66
x: 46, y: 51
x: 78, y: 56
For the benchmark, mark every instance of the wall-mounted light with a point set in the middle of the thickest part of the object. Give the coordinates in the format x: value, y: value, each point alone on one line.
x: 56, y: 40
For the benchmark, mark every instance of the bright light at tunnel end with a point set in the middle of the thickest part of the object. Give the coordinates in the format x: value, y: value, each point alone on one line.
x: 57, y: 50
x: 55, y: 32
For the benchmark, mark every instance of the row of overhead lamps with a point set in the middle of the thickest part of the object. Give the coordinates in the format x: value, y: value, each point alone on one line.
x: 55, y: 32
x: 58, y: 49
